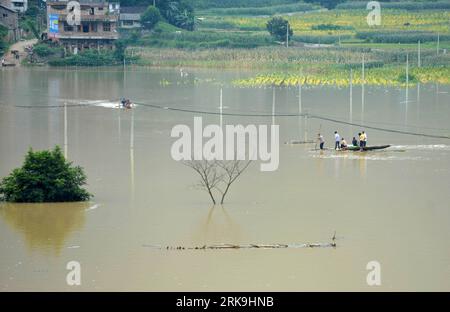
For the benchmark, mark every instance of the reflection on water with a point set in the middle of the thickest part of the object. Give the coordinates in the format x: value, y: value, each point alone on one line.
x: 45, y: 227
x: 218, y: 227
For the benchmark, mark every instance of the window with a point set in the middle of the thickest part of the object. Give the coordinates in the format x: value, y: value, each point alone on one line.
x: 94, y: 27
x: 18, y: 4
x: 127, y: 23
x: 100, y: 8
x: 85, y: 28
x: 106, y: 26
x: 5, y: 15
x: 91, y: 11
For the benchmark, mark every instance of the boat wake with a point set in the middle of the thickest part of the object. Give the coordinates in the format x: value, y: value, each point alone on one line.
x: 365, y: 156
x: 430, y: 147
x: 96, y: 103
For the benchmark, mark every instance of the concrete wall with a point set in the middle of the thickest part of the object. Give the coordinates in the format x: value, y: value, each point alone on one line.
x: 9, y: 19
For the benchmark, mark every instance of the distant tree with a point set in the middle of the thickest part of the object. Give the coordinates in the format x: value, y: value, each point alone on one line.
x: 46, y: 176
x: 150, y: 17
x: 277, y: 28
x: 179, y: 13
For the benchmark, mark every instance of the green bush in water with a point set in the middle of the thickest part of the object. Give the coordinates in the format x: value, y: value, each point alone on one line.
x: 46, y: 176
x: 411, y: 78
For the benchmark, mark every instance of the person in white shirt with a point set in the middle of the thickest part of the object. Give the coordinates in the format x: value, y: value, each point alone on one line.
x: 337, y: 140
x: 321, y: 141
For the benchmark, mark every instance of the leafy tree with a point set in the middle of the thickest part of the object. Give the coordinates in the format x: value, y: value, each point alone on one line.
x: 46, y: 176
x: 150, y: 17
x: 3, y: 45
x: 178, y: 13
x: 277, y: 28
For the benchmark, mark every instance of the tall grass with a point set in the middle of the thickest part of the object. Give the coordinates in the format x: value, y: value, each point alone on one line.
x: 402, y: 5
x: 269, y: 10
x: 206, y: 4
x: 400, y: 37
x: 207, y: 39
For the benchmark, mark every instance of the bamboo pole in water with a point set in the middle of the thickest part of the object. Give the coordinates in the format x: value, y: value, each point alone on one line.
x: 351, y: 94
x: 407, y: 89
x: 363, y: 82
x: 132, y: 154
x: 273, y: 105
x: 65, y: 130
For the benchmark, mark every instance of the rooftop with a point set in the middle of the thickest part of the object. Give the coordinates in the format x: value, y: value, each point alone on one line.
x: 132, y: 10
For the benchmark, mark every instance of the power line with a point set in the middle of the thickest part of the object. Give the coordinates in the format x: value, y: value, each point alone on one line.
x: 313, y: 116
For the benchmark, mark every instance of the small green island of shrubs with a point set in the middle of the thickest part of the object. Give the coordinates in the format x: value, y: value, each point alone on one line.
x: 45, y: 176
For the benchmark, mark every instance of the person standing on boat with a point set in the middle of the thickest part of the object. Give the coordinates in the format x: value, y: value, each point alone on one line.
x: 337, y: 140
x: 365, y: 138
x: 321, y: 141
x: 361, y: 141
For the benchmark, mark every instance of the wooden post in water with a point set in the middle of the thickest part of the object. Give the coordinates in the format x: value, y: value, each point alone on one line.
x: 407, y: 89
x: 300, y: 98
x: 306, y: 128
x: 351, y: 94
x: 363, y: 83
x: 132, y: 154
x: 65, y: 130
x: 407, y: 69
x: 273, y: 105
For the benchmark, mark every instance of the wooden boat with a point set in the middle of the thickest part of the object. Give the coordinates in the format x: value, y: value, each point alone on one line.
x: 366, y: 148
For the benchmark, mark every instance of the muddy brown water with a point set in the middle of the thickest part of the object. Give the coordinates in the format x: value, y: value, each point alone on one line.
x: 392, y: 206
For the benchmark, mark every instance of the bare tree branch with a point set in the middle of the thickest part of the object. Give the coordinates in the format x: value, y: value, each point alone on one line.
x: 217, y: 175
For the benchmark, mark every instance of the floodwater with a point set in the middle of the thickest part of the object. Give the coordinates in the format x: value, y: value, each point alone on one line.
x: 390, y: 206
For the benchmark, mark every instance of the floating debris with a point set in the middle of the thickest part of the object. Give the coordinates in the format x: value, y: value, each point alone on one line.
x: 247, y: 246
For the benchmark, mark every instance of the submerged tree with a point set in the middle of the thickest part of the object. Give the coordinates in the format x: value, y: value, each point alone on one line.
x: 216, y: 176
x: 46, y: 176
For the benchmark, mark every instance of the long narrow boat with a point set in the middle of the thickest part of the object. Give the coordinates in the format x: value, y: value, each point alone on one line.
x: 367, y: 148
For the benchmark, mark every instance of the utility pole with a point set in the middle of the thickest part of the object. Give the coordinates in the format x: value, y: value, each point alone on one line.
x: 437, y: 47
x: 418, y: 55
x: 407, y: 70
x: 65, y: 130
x: 221, y: 109
x: 287, y: 34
